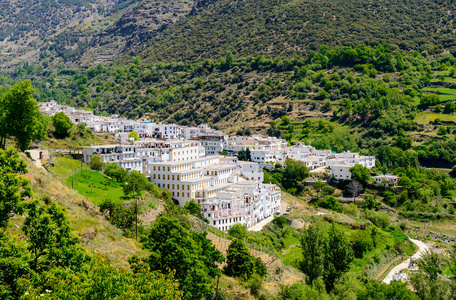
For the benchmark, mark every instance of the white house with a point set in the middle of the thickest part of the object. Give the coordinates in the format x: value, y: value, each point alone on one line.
x: 388, y: 179
x: 341, y: 172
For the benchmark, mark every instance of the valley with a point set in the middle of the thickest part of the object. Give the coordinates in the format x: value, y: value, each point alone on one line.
x: 218, y: 149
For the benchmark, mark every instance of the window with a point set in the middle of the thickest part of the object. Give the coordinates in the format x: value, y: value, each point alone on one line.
x: 154, y: 168
x: 154, y: 176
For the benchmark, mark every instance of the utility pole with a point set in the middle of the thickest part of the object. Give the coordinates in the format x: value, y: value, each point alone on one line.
x: 216, y: 290
x: 136, y: 211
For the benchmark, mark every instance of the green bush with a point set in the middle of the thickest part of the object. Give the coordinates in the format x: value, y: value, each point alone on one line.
x: 329, y: 202
x: 379, y: 219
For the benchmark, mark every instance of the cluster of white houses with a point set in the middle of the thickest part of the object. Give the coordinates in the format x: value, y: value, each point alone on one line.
x: 114, y: 124
x: 229, y: 191
x: 188, y: 162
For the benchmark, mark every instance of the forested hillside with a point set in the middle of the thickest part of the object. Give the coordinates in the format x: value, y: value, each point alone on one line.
x: 359, y: 97
x: 89, y: 32
x: 288, y: 28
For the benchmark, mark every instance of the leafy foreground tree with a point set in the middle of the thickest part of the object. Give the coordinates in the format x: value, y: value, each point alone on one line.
x: 13, y: 187
x: 338, y: 256
x: 381, y: 291
x: 62, y: 124
x: 20, y: 116
x: 191, y: 255
x: 101, y: 280
x: 313, y: 250
x: 50, y: 240
x: 240, y: 263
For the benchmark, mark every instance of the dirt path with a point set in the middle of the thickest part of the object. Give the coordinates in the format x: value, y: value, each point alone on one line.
x: 405, y: 264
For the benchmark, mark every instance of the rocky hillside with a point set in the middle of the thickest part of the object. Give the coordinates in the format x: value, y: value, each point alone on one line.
x: 80, y: 32
x: 25, y: 24
x: 87, y: 32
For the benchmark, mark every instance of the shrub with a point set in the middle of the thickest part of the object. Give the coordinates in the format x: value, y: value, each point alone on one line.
x: 96, y: 163
x: 329, y: 202
x: 379, y: 219
x: 362, y: 242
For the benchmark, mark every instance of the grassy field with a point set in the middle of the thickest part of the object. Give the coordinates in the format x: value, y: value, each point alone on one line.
x: 441, y: 90
x: 91, y: 184
x: 300, y: 133
x: 426, y: 117
x: 96, y: 187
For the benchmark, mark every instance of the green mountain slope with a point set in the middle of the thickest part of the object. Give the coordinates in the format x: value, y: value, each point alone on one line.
x: 289, y: 28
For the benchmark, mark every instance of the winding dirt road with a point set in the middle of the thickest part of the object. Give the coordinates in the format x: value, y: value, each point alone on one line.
x: 405, y: 264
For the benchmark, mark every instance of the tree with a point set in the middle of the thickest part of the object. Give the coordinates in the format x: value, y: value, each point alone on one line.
x: 449, y: 107
x: 244, y: 155
x: 430, y: 264
x: 133, y: 134
x: 14, y: 266
x: 374, y: 233
x: 362, y: 242
x: 50, y: 240
x: 194, y: 208
x: 318, y: 186
x: 21, y: 117
x: 239, y: 261
x: 105, y: 281
x: 81, y: 128
x: 13, y: 187
x: 172, y: 247
x: 370, y: 201
x: 114, y: 171
x: 360, y: 173
x: 62, y: 124
x: 338, y: 256
x: 294, y: 173
x: 229, y: 60
x: 382, y: 291
x: 238, y: 231
x: 427, y: 282
x: 96, y: 163
x: 354, y: 188
x: 313, y: 250
x: 135, y: 182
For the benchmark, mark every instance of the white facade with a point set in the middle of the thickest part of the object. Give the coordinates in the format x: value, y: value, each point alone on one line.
x: 246, y: 203
x: 251, y: 171
x: 137, y: 155
x: 389, y: 179
x: 341, y: 172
